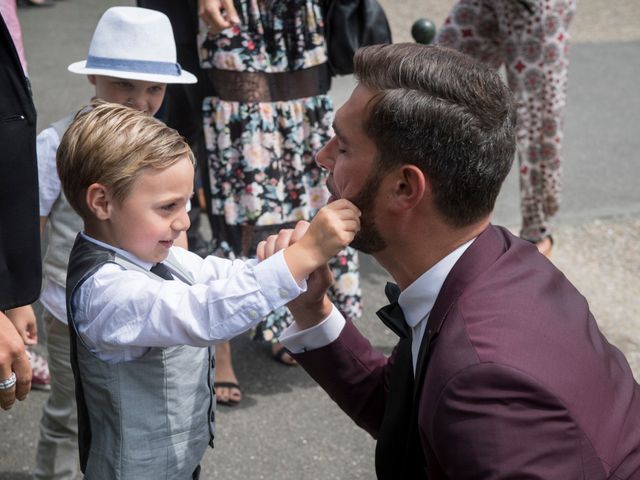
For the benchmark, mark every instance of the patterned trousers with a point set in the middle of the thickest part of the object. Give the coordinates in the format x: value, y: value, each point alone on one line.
x: 530, y: 38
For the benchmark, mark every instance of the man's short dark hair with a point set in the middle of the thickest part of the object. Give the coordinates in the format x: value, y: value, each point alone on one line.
x: 446, y: 113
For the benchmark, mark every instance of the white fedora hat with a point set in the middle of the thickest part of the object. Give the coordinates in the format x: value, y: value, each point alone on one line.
x: 136, y: 44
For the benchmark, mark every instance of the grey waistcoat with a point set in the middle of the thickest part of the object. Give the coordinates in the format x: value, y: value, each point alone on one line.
x: 64, y: 224
x: 149, y: 418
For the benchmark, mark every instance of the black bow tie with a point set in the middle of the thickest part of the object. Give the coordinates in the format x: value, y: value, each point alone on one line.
x: 392, y: 315
x: 161, y: 270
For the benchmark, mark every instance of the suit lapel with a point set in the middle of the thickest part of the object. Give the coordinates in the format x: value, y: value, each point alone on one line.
x: 480, y: 255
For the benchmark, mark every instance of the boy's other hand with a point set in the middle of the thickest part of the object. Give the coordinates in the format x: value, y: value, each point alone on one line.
x: 218, y: 15
x: 282, y: 239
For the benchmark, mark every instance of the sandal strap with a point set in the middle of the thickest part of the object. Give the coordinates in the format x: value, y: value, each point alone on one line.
x: 226, y: 385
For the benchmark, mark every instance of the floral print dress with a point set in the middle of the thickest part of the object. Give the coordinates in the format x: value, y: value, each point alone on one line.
x: 261, y: 165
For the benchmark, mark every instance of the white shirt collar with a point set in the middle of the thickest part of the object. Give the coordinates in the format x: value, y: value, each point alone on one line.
x: 124, y: 253
x: 418, y: 299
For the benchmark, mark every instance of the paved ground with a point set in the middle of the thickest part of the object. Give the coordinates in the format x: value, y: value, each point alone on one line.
x: 286, y: 426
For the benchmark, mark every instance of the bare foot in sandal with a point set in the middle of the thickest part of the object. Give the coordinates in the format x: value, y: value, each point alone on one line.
x: 281, y: 355
x: 545, y: 245
x: 226, y: 383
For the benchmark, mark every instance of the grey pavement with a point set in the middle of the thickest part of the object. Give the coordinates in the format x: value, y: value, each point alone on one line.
x: 286, y: 427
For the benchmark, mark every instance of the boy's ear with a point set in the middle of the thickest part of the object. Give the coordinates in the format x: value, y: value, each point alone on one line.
x: 92, y: 79
x: 99, y: 201
x: 409, y: 186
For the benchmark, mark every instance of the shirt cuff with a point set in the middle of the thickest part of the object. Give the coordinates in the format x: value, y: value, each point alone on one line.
x: 276, y: 281
x: 327, y: 331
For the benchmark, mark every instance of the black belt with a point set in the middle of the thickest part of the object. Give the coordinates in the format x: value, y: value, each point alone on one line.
x: 235, y: 86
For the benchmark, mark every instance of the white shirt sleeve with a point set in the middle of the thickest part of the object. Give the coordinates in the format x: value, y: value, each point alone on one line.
x: 327, y: 331
x: 48, y: 181
x: 121, y: 313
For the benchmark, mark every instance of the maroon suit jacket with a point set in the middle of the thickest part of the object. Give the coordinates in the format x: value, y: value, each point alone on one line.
x: 519, y: 381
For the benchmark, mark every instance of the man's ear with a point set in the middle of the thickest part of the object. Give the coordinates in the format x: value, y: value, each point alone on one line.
x: 92, y: 79
x: 99, y: 201
x: 409, y: 187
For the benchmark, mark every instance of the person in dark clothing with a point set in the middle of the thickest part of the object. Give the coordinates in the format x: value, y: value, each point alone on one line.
x: 20, y: 268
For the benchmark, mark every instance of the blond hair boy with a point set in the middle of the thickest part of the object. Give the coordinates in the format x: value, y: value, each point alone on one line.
x: 131, y: 59
x: 144, y: 313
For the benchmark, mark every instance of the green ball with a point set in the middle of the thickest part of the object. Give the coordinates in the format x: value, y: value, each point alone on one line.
x: 423, y: 31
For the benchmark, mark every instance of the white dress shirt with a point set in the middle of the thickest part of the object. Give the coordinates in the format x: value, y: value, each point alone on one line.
x: 416, y: 302
x: 121, y: 313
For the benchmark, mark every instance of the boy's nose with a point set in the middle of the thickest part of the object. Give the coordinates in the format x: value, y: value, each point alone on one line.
x: 182, y: 222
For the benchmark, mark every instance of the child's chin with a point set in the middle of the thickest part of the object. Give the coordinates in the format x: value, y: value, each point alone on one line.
x: 158, y: 256
x: 162, y: 256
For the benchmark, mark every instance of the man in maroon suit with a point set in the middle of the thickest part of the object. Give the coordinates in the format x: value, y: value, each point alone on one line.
x: 500, y: 370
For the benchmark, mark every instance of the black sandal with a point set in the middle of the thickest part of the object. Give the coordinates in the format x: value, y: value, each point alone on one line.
x: 277, y: 356
x: 230, y: 386
x: 34, y: 3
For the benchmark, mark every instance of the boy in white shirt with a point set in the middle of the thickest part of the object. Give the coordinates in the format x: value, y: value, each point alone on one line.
x: 143, y: 313
x: 131, y: 59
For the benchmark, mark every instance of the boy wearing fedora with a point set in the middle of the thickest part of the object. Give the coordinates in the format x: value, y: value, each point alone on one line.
x: 132, y: 57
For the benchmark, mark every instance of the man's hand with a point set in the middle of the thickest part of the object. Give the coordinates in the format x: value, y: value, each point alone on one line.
x: 218, y: 15
x: 13, y: 358
x: 24, y: 319
x: 313, y: 306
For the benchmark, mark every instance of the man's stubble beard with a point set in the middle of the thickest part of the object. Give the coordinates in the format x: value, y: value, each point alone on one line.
x: 368, y: 239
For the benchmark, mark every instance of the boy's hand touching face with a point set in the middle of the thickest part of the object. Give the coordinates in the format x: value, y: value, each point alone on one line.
x: 332, y: 229
x: 313, y: 244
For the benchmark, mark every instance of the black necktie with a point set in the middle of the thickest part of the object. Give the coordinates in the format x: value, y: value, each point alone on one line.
x: 162, y: 271
x: 392, y: 315
x: 398, y: 451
